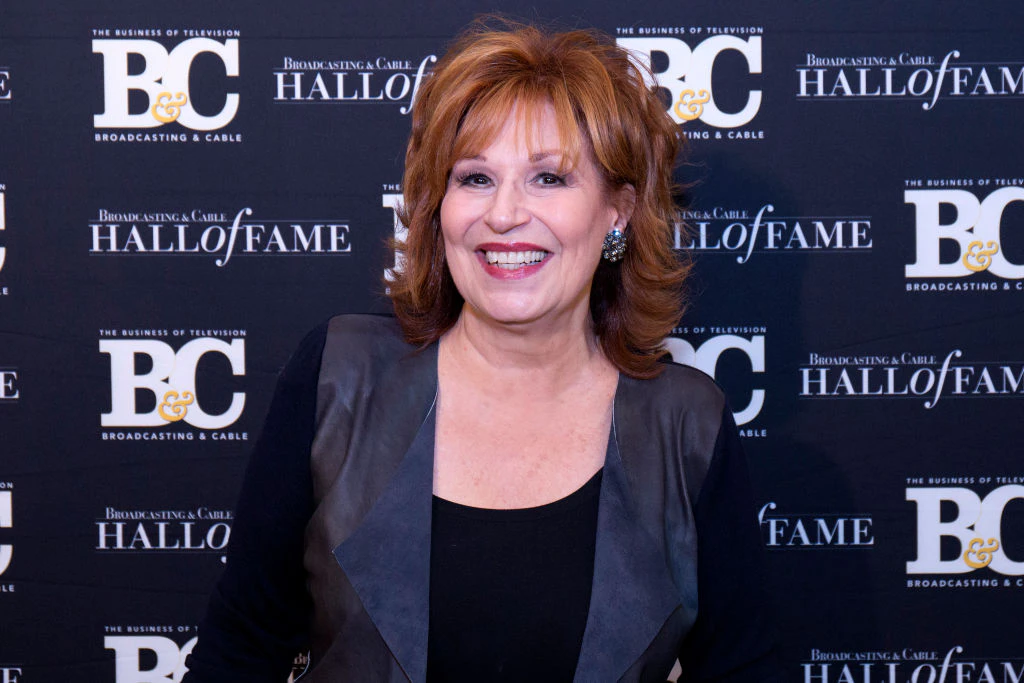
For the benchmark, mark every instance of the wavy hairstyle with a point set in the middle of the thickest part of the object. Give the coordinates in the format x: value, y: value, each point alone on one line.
x: 602, y: 107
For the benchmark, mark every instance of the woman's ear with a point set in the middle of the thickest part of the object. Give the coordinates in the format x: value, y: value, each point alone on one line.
x: 624, y: 201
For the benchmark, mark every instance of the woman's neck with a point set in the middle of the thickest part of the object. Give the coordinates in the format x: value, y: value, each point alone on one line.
x: 539, y: 356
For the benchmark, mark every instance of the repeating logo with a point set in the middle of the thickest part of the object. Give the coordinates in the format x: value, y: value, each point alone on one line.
x: 219, y: 235
x: 164, y: 82
x: 157, y: 653
x: 975, y: 531
x: 926, y: 377
x: 200, y: 530
x: 686, y: 69
x: 814, y: 530
x: 924, y: 78
x: 166, y: 393
x: 6, y: 522
x: 9, y: 391
x: 5, y: 84
x: 149, y: 653
x: 910, y: 665
x: 726, y: 353
x: 743, y: 233
x: 380, y: 80
x: 977, y: 239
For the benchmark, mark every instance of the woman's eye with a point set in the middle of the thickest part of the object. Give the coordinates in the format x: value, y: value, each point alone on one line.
x: 473, y: 180
x: 550, y: 179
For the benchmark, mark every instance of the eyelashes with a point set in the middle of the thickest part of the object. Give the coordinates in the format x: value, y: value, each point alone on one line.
x: 471, y: 179
x: 551, y: 179
x: 476, y: 179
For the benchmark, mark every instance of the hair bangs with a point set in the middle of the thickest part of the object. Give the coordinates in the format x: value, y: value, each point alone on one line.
x: 525, y: 100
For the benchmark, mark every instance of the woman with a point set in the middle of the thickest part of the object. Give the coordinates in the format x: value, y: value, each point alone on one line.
x: 505, y: 483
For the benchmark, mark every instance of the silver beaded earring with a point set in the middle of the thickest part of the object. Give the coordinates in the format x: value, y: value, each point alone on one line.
x: 614, y: 246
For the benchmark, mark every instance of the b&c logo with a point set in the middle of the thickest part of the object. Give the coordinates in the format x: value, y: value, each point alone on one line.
x: 705, y: 357
x: 171, y: 380
x: 165, y: 81
x: 156, y: 658
x: 688, y: 74
x: 165, y: 660
x: 977, y: 230
x: 976, y: 528
x: 5, y: 84
x: 6, y: 522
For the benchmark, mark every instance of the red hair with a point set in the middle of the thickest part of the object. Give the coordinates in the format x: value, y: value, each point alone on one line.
x: 602, y: 107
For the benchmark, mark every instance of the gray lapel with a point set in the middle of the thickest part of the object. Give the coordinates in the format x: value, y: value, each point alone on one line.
x: 633, y: 592
x: 387, y: 557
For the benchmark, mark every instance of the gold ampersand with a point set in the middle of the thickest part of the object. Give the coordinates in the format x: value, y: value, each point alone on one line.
x: 168, y: 109
x: 173, y: 410
x: 693, y: 103
x: 981, y: 257
x: 978, y: 554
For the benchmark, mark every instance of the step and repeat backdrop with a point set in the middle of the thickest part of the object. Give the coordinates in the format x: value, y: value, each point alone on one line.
x: 187, y: 188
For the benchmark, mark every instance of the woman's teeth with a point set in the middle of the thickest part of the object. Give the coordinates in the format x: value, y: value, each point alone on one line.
x: 511, y: 260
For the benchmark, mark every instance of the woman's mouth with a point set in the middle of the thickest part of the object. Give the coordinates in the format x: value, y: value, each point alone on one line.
x: 513, y: 260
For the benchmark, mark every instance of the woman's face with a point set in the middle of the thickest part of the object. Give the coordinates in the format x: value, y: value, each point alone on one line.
x: 522, y: 239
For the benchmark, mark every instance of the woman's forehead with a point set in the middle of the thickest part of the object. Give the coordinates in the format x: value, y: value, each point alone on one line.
x: 535, y: 127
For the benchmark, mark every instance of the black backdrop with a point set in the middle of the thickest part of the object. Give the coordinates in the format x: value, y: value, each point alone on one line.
x: 187, y: 188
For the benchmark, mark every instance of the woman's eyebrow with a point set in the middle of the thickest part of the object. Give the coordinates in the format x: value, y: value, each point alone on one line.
x: 534, y: 158
x: 540, y: 156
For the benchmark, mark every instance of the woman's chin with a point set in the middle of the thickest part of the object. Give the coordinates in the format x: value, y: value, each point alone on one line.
x: 508, y: 314
x: 531, y: 308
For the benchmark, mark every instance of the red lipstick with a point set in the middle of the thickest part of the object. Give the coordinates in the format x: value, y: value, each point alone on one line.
x: 505, y: 268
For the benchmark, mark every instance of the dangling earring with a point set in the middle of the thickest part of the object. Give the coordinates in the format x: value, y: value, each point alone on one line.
x: 614, y: 246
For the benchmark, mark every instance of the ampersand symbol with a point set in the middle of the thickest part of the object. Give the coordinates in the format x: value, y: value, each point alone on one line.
x: 168, y: 108
x: 173, y: 410
x: 978, y: 554
x: 977, y: 258
x: 693, y: 102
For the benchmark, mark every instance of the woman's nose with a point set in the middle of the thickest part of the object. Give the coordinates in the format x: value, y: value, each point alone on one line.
x: 508, y: 209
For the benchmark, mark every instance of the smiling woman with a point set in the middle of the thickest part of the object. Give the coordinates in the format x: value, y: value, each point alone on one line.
x: 508, y: 483
x: 571, y: 102
x: 522, y: 230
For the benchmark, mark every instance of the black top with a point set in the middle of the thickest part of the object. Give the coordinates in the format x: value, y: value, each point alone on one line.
x: 510, y: 589
x: 258, y: 617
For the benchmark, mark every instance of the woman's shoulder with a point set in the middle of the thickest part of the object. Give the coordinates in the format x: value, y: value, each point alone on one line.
x: 680, y: 399
x: 679, y: 414
x: 345, y: 344
x: 356, y: 328
x: 361, y: 346
x: 682, y: 390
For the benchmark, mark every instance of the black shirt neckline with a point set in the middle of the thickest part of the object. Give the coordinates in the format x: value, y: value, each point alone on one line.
x: 578, y: 497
